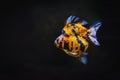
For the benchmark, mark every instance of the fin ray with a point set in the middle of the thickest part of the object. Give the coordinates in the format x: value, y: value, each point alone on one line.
x: 72, y: 19
x: 92, y: 36
x: 84, y: 22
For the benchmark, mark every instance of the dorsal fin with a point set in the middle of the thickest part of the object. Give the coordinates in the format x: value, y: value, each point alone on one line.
x: 72, y: 19
x: 83, y: 22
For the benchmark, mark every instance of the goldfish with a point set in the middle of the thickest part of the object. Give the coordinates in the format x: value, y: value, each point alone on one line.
x: 74, y: 38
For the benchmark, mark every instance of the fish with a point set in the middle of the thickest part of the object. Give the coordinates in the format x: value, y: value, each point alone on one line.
x: 75, y: 36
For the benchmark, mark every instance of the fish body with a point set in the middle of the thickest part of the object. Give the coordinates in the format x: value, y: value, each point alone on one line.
x: 74, y: 38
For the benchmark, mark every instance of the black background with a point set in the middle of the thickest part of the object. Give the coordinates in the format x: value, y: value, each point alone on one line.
x: 28, y: 30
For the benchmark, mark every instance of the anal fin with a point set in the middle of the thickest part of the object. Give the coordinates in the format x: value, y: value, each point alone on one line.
x: 83, y: 59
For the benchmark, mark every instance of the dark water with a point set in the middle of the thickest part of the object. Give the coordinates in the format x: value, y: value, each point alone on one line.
x: 28, y: 31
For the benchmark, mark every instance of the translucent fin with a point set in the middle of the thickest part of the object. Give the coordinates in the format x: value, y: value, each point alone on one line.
x: 69, y: 20
x: 85, y: 53
x: 84, y: 22
x: 83, y: 59
x: 76, y: 19
x: 72, y: 19
x: 94, y: 28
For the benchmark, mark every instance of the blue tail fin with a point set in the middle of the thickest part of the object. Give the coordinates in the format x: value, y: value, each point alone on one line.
x: 92, y: 36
